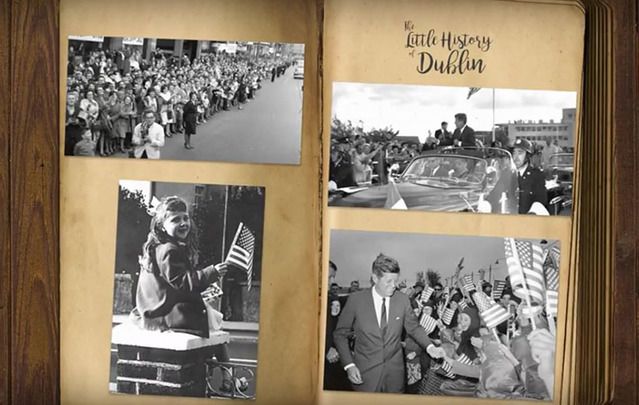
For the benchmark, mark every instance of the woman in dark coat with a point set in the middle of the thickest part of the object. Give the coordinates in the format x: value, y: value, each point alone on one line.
x: 190, y: 119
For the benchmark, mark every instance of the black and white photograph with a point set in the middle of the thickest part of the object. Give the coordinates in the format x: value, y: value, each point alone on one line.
x: 180, y: 99
x: 415, y: 314
x: 186, y: 300
x: 453, y: 149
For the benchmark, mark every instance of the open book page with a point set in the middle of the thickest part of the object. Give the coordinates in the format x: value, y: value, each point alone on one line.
x: 188, y: 182
x: 448, y: 210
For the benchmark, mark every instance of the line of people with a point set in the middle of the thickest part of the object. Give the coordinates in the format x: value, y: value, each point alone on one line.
x: 109, y: 98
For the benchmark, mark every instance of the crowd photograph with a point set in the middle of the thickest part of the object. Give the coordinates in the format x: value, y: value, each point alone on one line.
x: 414, y: 314
x: 454, y: 149
x: 186, y: 296
x: 150, y: 98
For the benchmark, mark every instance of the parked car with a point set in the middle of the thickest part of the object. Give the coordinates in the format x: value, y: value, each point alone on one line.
x: 560, y: 171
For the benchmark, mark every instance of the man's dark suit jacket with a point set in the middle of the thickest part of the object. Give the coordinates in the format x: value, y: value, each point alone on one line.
x: 445, y: 138
x: 467, y: 137
x: 380, y: 359
x: 532, y: 187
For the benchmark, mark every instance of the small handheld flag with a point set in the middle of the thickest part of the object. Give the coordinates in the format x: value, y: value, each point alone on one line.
x: 467, y: 283
x: 394, y: 200
x: 493, y: 314
x: 241, y: 252
x: 498, y: 290
x: 212, y: 292
x: 428, y: 323
x: 447, y: 316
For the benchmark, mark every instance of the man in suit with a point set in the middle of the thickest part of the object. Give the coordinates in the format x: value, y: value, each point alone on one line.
x: 444, y: 136
x: 377, y: 317
x: 334, y: 375
x: 532, y: 183
x: 463, y: 135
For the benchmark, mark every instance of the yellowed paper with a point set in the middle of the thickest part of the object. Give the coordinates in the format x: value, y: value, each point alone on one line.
x: 534, y: 45
x: 89, y: 190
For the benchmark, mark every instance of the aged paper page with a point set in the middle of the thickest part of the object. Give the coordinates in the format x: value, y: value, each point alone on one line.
x: 89, y: 194
x: 519, y: 45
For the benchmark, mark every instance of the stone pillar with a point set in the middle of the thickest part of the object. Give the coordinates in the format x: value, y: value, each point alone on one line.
x: 113, y: 43
x: 148, y: 47
x: 163, y: 363
x: 178, y: 48
x: 198, y: 49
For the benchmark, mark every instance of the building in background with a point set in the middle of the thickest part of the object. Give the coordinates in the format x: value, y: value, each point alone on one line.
x: 538, y: 132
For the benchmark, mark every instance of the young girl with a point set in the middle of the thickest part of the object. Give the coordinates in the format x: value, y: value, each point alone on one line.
x: 168, y: 293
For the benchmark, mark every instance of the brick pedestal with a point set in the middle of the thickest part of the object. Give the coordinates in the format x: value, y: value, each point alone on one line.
x: 163, y: 363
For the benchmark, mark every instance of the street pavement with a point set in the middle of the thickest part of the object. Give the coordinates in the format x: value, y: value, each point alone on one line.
x: 267, y: 129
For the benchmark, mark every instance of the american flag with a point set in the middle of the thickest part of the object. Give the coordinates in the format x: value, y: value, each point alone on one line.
x: 462, y: 359
x: 448, y: 369
x: 447, y: 317
x: 467, y: 283
x: 554, y: 255
x: 493, y: 314
x: 498, y: 290
x: 428, y: 323
x: 552, y: 290
x: 212, y: 292
x: 425, y: 295
x: 525, y: 267
x: 462, y: 304
x: 241, y: 252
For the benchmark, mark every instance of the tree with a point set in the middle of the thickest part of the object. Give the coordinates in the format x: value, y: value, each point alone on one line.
x: 421, y: 277
x: 433, y: 277
x: 133, y: 227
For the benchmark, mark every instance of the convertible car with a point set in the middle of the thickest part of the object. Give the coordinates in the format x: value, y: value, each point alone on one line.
x: 452, y: 179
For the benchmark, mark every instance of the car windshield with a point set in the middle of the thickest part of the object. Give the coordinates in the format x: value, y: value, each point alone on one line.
x: 446, y: 169
x: 561, y: 160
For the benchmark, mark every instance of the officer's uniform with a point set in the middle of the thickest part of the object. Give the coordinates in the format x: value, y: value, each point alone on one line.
x: 532, y: 187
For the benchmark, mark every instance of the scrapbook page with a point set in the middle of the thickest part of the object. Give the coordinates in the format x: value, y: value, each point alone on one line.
x: 187, y: 249
x: 434, y: 112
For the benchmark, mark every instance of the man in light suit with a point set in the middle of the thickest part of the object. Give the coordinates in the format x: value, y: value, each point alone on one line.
x: 148, y: 137
x: 377, y: 317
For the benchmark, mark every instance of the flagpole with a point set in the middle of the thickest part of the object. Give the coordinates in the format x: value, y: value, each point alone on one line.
x: 226, y: 204
x: 551, y: 324
x: 493, y: 115
x: 222, y: 258
x: 513, y: 247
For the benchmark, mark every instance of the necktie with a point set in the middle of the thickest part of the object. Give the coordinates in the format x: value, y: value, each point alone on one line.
x: 383, y: 323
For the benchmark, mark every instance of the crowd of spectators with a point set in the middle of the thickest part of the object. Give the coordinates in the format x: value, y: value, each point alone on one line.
x: 361, y: 158
x: 109, y: 91
x: 520, y: 365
